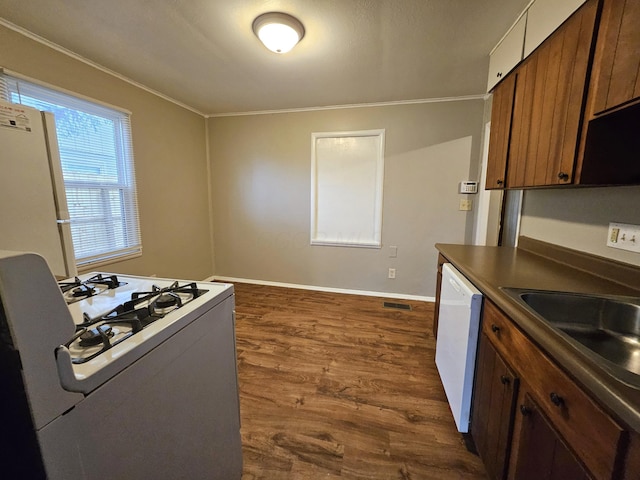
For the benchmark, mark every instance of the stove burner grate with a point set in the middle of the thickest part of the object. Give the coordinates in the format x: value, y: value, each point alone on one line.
x: 94, y: 336
x: 143, y: 309
x: 109, y: 281
x: 77, y: 289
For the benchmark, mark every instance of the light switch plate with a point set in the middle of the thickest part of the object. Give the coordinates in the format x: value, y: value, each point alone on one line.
x: 624, y: 236
x: 465, y: 204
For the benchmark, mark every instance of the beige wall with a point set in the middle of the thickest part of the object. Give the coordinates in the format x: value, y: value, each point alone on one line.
x: 579, y: 218
x: 261, y: 195
x: 170, y: 159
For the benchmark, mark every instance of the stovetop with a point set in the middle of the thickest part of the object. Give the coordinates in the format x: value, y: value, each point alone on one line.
x: 111, y: 312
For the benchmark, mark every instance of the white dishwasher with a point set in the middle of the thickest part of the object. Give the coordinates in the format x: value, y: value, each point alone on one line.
x: 457, y: 341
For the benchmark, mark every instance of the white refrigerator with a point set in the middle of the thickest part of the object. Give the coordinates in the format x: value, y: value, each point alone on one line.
x: 33, y: 206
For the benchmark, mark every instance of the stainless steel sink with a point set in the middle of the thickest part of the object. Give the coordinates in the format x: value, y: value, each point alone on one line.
x: 605, y: 325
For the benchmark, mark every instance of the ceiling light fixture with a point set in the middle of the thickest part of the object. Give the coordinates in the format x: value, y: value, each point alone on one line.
x: 278, y: 31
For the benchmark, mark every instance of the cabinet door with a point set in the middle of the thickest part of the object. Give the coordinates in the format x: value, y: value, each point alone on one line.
x: 501, y: 111
x: 542, y: 454
x: 494, y: 402
x: 544, y: 16
x: 618, y: 75
x: 549, y: 102
x: 507, y: 54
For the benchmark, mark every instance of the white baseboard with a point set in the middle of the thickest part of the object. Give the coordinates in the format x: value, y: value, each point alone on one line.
x: 400, y: 296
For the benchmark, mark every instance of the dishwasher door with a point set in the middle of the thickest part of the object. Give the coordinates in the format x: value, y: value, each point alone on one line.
x: 457, y: 341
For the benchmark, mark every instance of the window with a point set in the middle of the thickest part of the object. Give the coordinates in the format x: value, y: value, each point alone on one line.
x: 97, y: 165
x: 347, y: 171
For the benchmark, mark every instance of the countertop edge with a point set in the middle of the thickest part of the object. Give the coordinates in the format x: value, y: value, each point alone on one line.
x: 621, y: 400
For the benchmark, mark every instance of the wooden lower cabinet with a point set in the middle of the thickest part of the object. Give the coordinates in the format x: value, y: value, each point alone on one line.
x: 495, y: 391
x: 557, y: 431
x: 542, y: 453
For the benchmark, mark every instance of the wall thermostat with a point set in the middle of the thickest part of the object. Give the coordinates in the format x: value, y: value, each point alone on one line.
x: 468, y: 187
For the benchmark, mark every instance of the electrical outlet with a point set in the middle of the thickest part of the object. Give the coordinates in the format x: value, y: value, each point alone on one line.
x: 392, y: 273
x: 465, y: 204
x: 624, y: 236
x: 614, y: 232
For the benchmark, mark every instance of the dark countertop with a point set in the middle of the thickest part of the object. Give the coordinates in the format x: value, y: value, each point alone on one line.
x: 536, y: 265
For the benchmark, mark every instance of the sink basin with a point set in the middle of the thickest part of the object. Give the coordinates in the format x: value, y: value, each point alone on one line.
x: 605, y: 325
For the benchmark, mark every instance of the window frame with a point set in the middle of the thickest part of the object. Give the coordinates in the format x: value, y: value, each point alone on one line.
x: 370, y: 234
x: 128, y: 220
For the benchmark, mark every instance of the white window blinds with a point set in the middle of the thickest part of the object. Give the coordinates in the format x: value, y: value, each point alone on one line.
x: 97, y: 165
x: 347, y: 179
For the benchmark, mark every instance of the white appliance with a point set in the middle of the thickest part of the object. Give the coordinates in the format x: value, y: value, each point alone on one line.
x: 33, y: 203
x: 134, y: 378
x: 457, y: 341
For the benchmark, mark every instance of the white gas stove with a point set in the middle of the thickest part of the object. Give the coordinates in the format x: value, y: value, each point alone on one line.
x: 119, y: 318
x: 104, y: 365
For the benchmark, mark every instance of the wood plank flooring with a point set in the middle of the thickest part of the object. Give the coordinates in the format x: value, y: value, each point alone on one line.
x: 337, y: 386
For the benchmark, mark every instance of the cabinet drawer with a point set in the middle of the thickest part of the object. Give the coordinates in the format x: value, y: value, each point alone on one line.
x: 591, y: 433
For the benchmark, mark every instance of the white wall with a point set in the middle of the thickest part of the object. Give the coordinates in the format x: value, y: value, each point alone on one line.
x: 578, y: 218
x: 261, y: 195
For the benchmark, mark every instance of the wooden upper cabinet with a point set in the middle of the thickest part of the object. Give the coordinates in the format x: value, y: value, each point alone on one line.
x: 538, y: 109
x: 609, y: 143
x: 499, y: 136
x: 618, y: 72
x: 549, y: 102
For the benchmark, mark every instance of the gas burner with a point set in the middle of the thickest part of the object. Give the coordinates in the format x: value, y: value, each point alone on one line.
x: 78, y: 292
x: 77, y: 289
x: 65, y: 286
x: 110, y: 281
x: 175, y: 289
x: 95, y: 336
x: 167, y: 300
x: 165, y: 303
x: 89, y: 342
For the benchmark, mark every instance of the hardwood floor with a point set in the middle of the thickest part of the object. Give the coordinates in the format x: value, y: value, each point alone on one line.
x: 338, y: 386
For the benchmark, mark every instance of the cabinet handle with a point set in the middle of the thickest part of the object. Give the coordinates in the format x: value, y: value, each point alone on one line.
x: 563, y: 176
x: 495, y: 328
x: 505, y: 380
x: 556, y: 399
x: 499, y: 181
x: 499, y: 74
x: 524, y: 410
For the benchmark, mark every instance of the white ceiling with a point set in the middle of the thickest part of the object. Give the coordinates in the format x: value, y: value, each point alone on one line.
x: 204, y: 54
